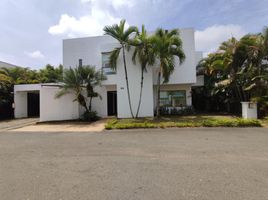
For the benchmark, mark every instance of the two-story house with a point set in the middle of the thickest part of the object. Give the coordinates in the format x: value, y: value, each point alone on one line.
x: 95, y: 51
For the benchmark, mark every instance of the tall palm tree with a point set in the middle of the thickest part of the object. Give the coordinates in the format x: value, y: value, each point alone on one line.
x: 122, y: 35
x: 167, y: 45
x: 144, y: 53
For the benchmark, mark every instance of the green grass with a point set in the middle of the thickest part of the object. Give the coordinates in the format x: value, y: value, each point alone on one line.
x: 193, y: 121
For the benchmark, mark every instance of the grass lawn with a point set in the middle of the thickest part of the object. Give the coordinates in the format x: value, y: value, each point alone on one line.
x: 182, y: 121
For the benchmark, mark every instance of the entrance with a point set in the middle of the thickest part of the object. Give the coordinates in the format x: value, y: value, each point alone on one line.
x: 33, y: 104
x: 112, y: 103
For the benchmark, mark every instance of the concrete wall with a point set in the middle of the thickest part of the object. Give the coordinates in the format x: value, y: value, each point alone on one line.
x: 55, y: 109
x: 21, y: 99
x: 21, y: 107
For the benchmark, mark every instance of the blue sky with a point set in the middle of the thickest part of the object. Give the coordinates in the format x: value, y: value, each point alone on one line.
x: 31, y: 31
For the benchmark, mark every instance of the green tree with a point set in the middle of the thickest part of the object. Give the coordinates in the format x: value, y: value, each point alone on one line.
x: 144, y: 53
x: 51, y: 74
x: 79, y: 81
x: 239, y: 69
x: 167, y: 45
x: 123, y: 36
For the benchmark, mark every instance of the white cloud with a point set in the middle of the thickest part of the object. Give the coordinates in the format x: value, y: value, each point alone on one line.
x: 84, y: 26
x: 35, y: 54
x: 209, y: 39
x: 92, y: 24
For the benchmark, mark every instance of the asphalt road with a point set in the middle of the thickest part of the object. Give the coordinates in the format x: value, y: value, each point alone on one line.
x: 196, y: 164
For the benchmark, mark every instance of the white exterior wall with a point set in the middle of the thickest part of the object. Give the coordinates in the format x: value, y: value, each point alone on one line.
x: 51, y: 109
x: 21, y: 98
x: 90, y: 51
x: 20, y: 102
x: 134, y: 76
x: 56, y: 109
x: 184, y: 73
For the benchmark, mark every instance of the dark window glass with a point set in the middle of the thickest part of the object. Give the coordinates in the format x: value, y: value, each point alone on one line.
x: 80, y: 61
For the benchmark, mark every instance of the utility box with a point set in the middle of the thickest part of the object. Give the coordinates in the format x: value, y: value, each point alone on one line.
x: 249, y: 110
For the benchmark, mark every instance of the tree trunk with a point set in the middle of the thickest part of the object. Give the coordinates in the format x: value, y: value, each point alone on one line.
x: 142, y: 78
x: 126, y: 76
x: 158, y: 96
x: 90, y: 102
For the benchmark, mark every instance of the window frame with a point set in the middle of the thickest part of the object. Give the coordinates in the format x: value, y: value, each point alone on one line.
x: 170, y: 98
x: 112, y: 71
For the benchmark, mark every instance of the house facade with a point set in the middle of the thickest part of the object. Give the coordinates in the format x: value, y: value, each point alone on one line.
x: 95, y: 51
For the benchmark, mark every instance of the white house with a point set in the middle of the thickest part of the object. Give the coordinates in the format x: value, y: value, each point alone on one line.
x: 95, y: 51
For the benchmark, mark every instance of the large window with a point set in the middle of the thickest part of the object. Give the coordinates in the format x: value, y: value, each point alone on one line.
x: 173, y: 98
x: 106, y: 68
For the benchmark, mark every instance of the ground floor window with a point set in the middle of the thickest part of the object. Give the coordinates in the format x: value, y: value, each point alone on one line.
x: 175, y: 98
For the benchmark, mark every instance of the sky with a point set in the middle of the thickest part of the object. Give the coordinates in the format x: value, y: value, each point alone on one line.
x: 31, y: 31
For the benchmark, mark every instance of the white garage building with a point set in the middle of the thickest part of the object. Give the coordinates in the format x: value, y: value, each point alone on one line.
x: 95, y: 51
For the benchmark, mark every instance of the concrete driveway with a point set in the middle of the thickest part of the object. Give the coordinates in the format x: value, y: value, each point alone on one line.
x: 17, y: 123
x: 202, y: 163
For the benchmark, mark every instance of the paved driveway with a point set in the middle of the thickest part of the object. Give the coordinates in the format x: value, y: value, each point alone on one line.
x: 17, y: 123
x: 201, y: 164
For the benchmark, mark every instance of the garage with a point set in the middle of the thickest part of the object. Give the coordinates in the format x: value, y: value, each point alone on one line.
x: 38, y: 100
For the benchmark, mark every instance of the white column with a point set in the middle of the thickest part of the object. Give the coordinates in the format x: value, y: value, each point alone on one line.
x: 21, y: 107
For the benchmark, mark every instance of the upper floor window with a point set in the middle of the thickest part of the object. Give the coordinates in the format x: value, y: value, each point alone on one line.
x: 80, y: 62
x: 106, y: 68
x: 175, y: 98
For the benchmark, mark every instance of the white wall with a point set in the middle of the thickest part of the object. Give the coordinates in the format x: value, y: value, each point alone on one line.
x: 21, y: 99
x: 134, y: 76
x: 55, y: 109
x: 186, y: 72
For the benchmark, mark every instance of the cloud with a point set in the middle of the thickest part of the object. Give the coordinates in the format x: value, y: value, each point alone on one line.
x: 92, y: 24
x: 35, y: 54
x: 88, y: 25
x: 209, y: 39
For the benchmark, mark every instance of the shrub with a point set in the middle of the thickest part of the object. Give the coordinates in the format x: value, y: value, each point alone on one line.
x: 90, y: 116
x: 129, y: 124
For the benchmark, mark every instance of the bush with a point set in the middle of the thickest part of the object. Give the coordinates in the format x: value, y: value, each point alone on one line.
x: 90, y: 116
x: 130, y: 124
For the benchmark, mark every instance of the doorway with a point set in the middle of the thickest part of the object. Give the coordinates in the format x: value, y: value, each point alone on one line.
x: 33, y: 104
x: 112, y: 103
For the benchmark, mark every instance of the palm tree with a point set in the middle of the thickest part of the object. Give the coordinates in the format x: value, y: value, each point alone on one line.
x: 167, y: 45
x: 78, y: 80
x: 118, y: 32
x: 144, y: 53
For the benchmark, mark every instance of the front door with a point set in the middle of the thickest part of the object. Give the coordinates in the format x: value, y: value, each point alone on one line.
x: 112, y: 103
